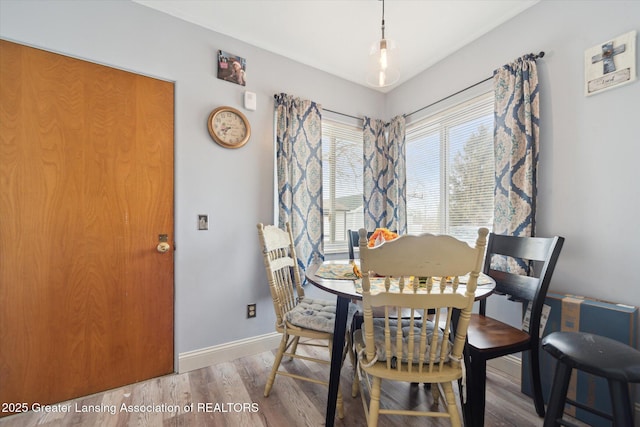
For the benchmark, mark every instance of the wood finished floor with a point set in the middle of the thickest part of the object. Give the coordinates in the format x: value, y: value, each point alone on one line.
x: 219, y: 394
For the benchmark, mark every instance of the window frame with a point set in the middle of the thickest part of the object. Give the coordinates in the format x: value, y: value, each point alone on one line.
x: 354, y: 126
x: 440, y: 119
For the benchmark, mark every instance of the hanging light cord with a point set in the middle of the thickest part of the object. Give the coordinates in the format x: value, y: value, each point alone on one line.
x: 383, y: 19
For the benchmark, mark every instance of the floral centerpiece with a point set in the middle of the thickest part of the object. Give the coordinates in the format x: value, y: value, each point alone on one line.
x: 380, y: 236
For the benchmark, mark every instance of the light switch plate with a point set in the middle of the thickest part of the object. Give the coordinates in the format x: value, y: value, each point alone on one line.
x: 250, y: 101
x: 203, y: 222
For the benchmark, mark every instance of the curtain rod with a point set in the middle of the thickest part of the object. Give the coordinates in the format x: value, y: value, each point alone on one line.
x: 447, y: 97
x: 275, y: 96
x: 531, y: 55
x: 343, y: 114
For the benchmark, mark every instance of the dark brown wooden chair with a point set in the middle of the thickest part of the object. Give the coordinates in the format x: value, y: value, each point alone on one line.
x: 489, y: 338
x: 354, y: 241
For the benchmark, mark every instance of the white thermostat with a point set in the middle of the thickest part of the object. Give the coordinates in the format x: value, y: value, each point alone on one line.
x: 250, y: 101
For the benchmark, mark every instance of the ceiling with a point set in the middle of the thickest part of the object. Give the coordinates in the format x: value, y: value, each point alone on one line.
x: 335, y: 35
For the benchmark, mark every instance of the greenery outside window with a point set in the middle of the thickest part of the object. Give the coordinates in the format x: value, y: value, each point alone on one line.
x: 451, y: 171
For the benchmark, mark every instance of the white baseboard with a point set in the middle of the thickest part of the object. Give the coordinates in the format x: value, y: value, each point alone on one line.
x: 509, y: 365
x: 204, y: 357
x: 196, y: 359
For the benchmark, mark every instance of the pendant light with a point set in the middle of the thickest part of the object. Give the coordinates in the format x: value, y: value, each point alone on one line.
x: 382, y: 62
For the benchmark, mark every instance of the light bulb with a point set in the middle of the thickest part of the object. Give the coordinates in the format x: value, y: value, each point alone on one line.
x: 383, y: 54
x: 382, y: 69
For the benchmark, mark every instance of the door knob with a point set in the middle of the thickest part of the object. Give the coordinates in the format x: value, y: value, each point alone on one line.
x: 163, y: 247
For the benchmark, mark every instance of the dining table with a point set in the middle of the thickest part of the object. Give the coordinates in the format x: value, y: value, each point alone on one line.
x: 333, y: 277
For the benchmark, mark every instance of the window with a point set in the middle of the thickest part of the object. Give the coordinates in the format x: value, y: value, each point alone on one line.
x: 342, y: 167
x: 450, y: 170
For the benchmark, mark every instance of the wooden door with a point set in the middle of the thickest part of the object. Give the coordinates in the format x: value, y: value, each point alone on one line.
x: 86, y: 188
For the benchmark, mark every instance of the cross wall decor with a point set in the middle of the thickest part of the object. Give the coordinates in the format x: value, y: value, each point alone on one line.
x: 608, y: 52
x: 610, y: 64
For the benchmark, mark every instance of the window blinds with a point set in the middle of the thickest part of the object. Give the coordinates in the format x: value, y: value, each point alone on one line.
x: 450, y: 170
x: 342, y: 168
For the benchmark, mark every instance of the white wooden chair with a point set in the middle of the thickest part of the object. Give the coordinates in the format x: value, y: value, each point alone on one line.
x: 296, y: 315
x: 415, y: 274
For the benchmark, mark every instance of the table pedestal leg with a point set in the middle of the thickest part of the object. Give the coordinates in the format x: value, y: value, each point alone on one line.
x: 339, y: 330
x: 467, y: 415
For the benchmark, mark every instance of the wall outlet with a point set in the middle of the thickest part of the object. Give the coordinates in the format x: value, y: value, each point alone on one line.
x: 251, y: 311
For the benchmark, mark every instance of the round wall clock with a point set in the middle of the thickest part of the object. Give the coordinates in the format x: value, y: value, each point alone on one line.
x: 229, y: 127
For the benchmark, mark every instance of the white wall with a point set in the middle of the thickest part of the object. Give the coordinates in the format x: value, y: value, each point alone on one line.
x: 589, y: 146
x: 218, y: 272
x: 588, y: 189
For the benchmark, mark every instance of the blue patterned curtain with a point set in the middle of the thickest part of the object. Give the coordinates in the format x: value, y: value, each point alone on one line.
x: 385, y: 180
x: 516, y: 147
x: 299, y: 168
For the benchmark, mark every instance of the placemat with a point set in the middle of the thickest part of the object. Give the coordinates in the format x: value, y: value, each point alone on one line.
x: 336, y: 271
x: 345, y: 272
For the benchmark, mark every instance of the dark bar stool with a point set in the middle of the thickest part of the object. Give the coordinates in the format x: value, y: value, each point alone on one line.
x: 597, y: 355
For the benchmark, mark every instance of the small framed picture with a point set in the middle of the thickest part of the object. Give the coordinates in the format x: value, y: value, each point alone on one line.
x: 232, y: 68
x: 610, y: 64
